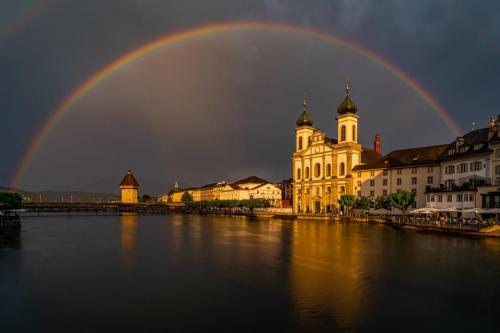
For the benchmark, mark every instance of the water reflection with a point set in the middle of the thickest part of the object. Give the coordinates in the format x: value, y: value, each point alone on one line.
x: 326, y: 275
x: 129, y: 240
x: 231, y: 274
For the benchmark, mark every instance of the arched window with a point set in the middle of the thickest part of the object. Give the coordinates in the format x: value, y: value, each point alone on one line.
x: 342, y: 169
x: 342, y: 133
x: 300, y: 143
x: 328, y: 170
x: 354, y: 133
x: 309, y: 141
x: 317, y: 170
x: 298, y: 174
x: 307, y: 173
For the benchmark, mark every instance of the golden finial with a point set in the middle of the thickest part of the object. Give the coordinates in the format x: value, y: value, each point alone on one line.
x: 347, y: 78
x: 306, y: 94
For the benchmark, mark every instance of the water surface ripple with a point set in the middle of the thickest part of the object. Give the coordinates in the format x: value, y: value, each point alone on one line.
x: 195, y: 273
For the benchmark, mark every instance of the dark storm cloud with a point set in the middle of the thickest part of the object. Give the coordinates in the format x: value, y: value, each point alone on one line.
x: 451, y: 47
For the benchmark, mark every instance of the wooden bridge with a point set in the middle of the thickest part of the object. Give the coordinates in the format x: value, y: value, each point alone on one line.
x: 44, y: 209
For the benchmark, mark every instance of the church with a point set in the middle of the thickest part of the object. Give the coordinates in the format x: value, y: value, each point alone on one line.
x: 323, y: 166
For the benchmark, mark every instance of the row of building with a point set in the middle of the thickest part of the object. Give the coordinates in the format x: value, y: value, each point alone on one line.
x: 461, y: 174
x: 244, y: 189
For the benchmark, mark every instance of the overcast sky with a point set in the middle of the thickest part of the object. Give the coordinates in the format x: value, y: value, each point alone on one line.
x: 224, y: 106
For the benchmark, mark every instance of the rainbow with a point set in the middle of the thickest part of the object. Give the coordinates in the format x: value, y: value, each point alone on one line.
x: 22, y: 18
x: 201, y: 31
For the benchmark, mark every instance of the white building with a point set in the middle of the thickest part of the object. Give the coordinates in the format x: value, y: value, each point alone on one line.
x: 251, y: 188
x: 412, y: 170
x: 465, y: 166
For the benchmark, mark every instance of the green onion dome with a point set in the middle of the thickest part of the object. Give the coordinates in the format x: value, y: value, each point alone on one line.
x: 304, y: 119
x: 347, y: 106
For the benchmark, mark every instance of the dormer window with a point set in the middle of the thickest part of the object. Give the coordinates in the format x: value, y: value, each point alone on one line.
x: 478, y: 146
x: 464, y: 149
x: 451, y: 152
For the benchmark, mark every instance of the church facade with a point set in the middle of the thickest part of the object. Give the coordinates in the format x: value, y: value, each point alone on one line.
x: 323, y: 166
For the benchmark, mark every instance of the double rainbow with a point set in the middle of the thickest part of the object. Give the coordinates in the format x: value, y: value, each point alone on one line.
x: 201, y: 31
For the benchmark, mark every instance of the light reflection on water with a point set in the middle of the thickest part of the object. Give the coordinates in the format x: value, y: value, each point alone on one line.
x: 196, y: 273
x: 129, y: 239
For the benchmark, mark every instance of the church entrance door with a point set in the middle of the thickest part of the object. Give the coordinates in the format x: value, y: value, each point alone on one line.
x: 317, y: 207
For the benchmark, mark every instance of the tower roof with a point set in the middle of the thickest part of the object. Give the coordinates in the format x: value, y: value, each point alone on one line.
x: 304, y: 119
x: 129, y: 180
x: 347, y: 106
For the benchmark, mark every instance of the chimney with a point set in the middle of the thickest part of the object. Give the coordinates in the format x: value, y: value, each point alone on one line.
x: 377, y: 144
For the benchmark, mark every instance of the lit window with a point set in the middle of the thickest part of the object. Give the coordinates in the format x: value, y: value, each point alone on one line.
x: 317, y: 170
x: 342, y: 169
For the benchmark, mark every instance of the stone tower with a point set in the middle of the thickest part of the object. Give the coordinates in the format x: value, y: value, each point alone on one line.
x: 129, y: 189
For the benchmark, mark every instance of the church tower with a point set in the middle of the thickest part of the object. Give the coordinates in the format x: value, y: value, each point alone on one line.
x: 348, y: 149
x: 347, y: 120
x: 304, y: 130
x: 129, y: 188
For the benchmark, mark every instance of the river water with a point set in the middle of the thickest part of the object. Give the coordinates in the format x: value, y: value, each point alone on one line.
x: 196, y: 273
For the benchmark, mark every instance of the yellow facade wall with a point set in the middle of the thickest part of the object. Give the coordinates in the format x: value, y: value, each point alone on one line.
x: 129, y: 195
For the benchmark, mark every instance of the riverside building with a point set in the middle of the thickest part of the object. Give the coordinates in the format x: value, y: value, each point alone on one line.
x: 129, y: 188
x: 465, y: 166
x: 462, y: 174
x: 248, y: 188
x: 412, y: 170
x: 322, y: 166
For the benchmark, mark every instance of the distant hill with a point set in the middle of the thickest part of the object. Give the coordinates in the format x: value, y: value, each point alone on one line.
x: 62, y: 196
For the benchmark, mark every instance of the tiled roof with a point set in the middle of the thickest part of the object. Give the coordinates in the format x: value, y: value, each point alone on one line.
x: 251, y: 179
x: 473, y: 143
x: 369, y: 156
x: 331, y: 141
x: 406, y: 158
x: 129, y: 180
